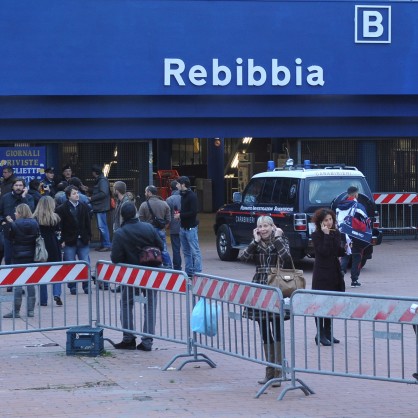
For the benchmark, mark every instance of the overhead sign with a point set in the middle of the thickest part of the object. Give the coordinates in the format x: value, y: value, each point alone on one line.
x: 278, y: 47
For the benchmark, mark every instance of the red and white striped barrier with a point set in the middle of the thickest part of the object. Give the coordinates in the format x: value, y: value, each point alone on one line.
x: 240, y: 294
x: 395, y: 198
x: 141, y: 277
x: 350, y: 307
x: 25, y: 274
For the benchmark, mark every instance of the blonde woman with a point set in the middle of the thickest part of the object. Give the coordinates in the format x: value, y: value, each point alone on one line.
x: 22, y: 232
x: 268, y: 244
x: 49, y: 224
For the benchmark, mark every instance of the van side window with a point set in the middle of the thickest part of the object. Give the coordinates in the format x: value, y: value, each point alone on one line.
x: 253, y: 192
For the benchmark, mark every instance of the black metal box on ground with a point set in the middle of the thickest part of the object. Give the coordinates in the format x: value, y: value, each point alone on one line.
x: 85, y: 341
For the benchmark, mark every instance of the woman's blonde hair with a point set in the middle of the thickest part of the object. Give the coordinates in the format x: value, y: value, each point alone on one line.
x: 265, y: 219
x: 45, y: 212
x: 23, y: 210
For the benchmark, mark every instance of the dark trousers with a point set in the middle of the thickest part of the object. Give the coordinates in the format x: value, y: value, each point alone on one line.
x: 270, y: 329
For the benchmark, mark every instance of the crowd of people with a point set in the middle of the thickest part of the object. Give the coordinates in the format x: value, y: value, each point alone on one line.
x: 61, y: 210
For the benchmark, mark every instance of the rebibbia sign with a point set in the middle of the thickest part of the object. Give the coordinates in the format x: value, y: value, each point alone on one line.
x: 244, y: 72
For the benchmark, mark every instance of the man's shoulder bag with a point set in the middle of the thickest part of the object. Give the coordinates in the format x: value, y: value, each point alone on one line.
x: 149, y: 256
x: 287, y: 280
x: 157, y: 222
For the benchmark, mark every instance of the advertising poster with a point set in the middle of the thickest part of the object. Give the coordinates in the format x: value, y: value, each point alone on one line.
x: 27, y: 162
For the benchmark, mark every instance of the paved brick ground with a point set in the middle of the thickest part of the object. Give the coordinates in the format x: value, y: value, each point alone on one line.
x: 37, y: 379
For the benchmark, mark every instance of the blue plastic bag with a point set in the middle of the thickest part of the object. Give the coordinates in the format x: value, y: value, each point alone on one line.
x: 204, y: 318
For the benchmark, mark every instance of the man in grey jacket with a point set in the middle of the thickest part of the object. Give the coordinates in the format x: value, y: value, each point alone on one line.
x: 174, y: 201
x: 155, y: 209
x: 100, y: 201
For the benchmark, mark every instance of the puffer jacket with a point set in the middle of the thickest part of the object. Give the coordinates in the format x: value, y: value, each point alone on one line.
x: 22, y: 233
x: 100, y: 199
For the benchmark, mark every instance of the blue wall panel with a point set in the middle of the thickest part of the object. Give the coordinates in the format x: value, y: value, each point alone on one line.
x: 118, y: 47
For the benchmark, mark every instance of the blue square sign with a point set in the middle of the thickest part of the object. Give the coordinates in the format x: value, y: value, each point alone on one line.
x: 372, y: 24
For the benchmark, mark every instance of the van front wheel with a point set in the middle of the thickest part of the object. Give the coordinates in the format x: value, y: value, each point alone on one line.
x: 224, y: 244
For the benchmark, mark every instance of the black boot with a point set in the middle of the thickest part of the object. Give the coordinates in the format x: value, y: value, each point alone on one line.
x: 322, y: 339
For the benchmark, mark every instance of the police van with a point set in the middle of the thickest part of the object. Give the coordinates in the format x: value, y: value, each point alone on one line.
x: 290, y: 196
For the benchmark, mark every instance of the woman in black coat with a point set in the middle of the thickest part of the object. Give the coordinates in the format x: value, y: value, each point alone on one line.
x: 22, y: 233
x: 49, y: 225
x: 327, y: 273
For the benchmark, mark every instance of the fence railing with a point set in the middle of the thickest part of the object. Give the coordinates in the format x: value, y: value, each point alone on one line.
x: 30, y: 278
x: 373, y: 337
x: 398, y: 213
x: 376, y: 334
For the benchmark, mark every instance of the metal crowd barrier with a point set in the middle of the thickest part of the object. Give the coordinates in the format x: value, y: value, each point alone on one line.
x: 398, y: 214
x: 168, y: 318
x: 50, y: 317
x: 237, y: 335
x: 376, y: 333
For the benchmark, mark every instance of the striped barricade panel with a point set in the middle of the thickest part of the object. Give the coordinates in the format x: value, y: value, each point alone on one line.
x: 365, y: 308
x: 141, y: 277
x: 395, y: 198
x: 73, y: 311
x: 154, y: 302
x: 45, y: 273
x: 237, y: 293
x: 369, y: 336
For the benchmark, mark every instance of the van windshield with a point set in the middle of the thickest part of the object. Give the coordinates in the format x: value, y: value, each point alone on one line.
x: 324, y: 190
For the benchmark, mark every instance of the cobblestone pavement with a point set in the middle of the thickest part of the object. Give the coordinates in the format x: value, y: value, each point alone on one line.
x: 38, y: 379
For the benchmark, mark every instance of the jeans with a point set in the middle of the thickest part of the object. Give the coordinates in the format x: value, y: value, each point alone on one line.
x: 175, y: 246
x: 356, y: 256
x: 81, y: 251
x: 101, y: 218
x: 150, y: 313
x: 164, y: 253
x: 191, y: 251
x: 43, y: 292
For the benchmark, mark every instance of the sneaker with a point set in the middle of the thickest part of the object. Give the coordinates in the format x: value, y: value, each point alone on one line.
x: 99, y: 249
x: 58, y: 300
x: 142, y: 347
x: 43, y: 304
x: 103, y: 249
x: 73, y: 291
x: 125, y: 346
x: 355, y: 284
x: 11, y: 315
x: 31, y: 314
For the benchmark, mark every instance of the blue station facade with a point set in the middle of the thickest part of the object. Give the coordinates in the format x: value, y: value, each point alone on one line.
x: 97, y: 71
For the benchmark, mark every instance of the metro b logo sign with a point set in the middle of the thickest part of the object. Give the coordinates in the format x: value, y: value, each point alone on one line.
x: 373, y: 24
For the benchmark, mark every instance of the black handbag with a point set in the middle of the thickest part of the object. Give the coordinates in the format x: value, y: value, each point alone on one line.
x: 157, y: 222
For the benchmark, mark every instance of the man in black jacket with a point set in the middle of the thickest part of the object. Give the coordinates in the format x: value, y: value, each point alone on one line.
x: 189, y: 227
x: 100, y: 201
x: 132, y: 235
x: 75, y: 230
